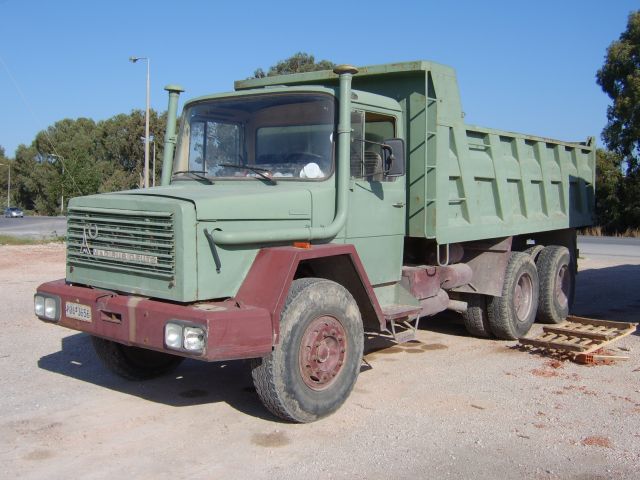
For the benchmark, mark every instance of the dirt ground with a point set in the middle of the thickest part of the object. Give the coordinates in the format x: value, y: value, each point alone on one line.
x: 448, y: 406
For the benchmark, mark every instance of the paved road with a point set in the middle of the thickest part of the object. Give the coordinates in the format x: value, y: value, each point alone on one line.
x: 609, y: 247
x: 34, y: 227
x: 608, y: 279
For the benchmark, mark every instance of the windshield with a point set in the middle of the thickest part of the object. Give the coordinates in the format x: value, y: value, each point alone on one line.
x: 273, y: 135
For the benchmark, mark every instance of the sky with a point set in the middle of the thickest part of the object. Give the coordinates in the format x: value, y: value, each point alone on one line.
x: 522, y: 66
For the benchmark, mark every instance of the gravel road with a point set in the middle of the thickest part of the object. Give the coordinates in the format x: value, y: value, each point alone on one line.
x: 448, y: 406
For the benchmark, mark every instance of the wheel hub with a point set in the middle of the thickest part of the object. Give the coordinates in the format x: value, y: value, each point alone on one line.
x: 523, y: 297
x: 322, y: 352
x: 562, y: 286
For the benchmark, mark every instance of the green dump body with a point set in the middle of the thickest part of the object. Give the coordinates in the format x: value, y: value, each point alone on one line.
x: 466, y: 182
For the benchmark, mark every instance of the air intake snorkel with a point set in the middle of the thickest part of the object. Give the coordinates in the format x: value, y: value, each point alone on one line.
x: 170, y: 133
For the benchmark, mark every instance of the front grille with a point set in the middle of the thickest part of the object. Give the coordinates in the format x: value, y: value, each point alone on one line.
x: 121, y: 240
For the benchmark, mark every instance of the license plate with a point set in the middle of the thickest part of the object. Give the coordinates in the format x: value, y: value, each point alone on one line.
x: 77, y: 311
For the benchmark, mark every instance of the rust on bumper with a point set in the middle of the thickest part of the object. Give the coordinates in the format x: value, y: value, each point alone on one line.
x: 233, y: 330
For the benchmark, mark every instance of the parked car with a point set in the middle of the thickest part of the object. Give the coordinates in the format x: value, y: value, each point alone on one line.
x: 13, y: 212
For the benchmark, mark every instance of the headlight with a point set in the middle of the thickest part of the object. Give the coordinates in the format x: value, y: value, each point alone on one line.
x: 173, y: 335
x: 50, y: 310
x: 47, y: 307
x: 194, y: 339
x: 185, y: 337
x: 38, y: 305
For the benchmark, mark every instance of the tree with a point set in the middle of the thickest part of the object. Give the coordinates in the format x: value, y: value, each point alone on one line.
x: 609, y: 186
x: 97, y: 157
x: 4, y: 174
x: 70, y: 146
x: 619, y: 77
x: 297, y: 63
x: 120, y: 142
x: 29, y: 179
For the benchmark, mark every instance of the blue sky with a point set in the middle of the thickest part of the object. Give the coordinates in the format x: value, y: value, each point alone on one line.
x: 522, y: 66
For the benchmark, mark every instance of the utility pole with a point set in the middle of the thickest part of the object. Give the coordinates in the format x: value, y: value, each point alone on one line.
x: 62, y: 191
x: 154, y: 162
x: 146, y: 119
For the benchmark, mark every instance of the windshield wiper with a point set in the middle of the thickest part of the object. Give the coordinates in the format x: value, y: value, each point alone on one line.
x: 262, y: 172
x: 194, y: 173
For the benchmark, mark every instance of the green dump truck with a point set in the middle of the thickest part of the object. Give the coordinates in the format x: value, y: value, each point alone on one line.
x: 300, y: 211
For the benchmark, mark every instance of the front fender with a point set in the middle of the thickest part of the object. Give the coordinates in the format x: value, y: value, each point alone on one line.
x: 269, y: 279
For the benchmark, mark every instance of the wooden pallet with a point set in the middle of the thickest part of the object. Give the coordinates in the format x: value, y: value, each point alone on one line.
x: 579, y: 336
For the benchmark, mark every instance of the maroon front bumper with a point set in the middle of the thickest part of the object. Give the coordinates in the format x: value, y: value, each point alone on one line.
x: 233, y: 330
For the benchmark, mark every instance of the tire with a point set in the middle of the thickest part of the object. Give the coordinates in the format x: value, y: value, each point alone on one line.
x: 313, y: 369
x: 475, y: 318
x: 134, y: 363
x: 534, y: 251
x: 511, y: 315
x: 557, y: 284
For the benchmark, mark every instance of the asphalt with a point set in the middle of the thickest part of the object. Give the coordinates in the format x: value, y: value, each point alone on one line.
x: 34, y: 227
x: 609, y: 247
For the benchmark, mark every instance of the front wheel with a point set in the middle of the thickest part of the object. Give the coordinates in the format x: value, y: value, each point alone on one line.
x: 313, y: 369
x: 134, y: 363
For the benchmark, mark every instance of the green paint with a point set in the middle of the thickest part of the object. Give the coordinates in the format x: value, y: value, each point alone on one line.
x: 463, y: 183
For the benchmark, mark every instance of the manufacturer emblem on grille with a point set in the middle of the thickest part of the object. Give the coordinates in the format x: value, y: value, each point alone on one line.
x: 89, y: 231
x: 125, y: 256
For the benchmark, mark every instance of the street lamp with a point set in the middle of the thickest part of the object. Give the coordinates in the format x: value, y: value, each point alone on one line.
x: 146, y: 122
x: 152, y: 139
x: 8, y: 183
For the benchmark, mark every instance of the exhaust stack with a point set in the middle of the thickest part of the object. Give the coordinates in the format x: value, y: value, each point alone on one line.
x: 170, y: 133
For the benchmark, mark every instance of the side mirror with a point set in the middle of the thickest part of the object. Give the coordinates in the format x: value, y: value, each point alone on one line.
x: 394, y: 159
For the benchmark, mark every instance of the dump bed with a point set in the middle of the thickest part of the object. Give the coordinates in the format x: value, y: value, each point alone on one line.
x: 466, y: 182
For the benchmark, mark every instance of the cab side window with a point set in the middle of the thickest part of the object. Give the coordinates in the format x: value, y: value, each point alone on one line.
x: 369, y: 130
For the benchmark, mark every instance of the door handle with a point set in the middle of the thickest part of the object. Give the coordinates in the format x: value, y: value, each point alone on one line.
x: 398, y: 204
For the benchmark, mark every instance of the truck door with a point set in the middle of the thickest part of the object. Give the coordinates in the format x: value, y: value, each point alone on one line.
x: 376, y: 221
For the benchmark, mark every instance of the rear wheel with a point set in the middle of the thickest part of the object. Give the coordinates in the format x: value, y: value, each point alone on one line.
x: 557, y: 284
x: 313, y: 369
x: 511, y: 315
x: 475, y: 317
x: 534, y: 251
x: 134, y: 363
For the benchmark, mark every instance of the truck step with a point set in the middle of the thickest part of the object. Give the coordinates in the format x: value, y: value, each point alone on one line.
x: 403, y: 321
x: 578, y: 336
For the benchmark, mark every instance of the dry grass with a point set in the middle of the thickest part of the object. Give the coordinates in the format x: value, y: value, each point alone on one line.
x: 11, y: 240
x: 598, y: 231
